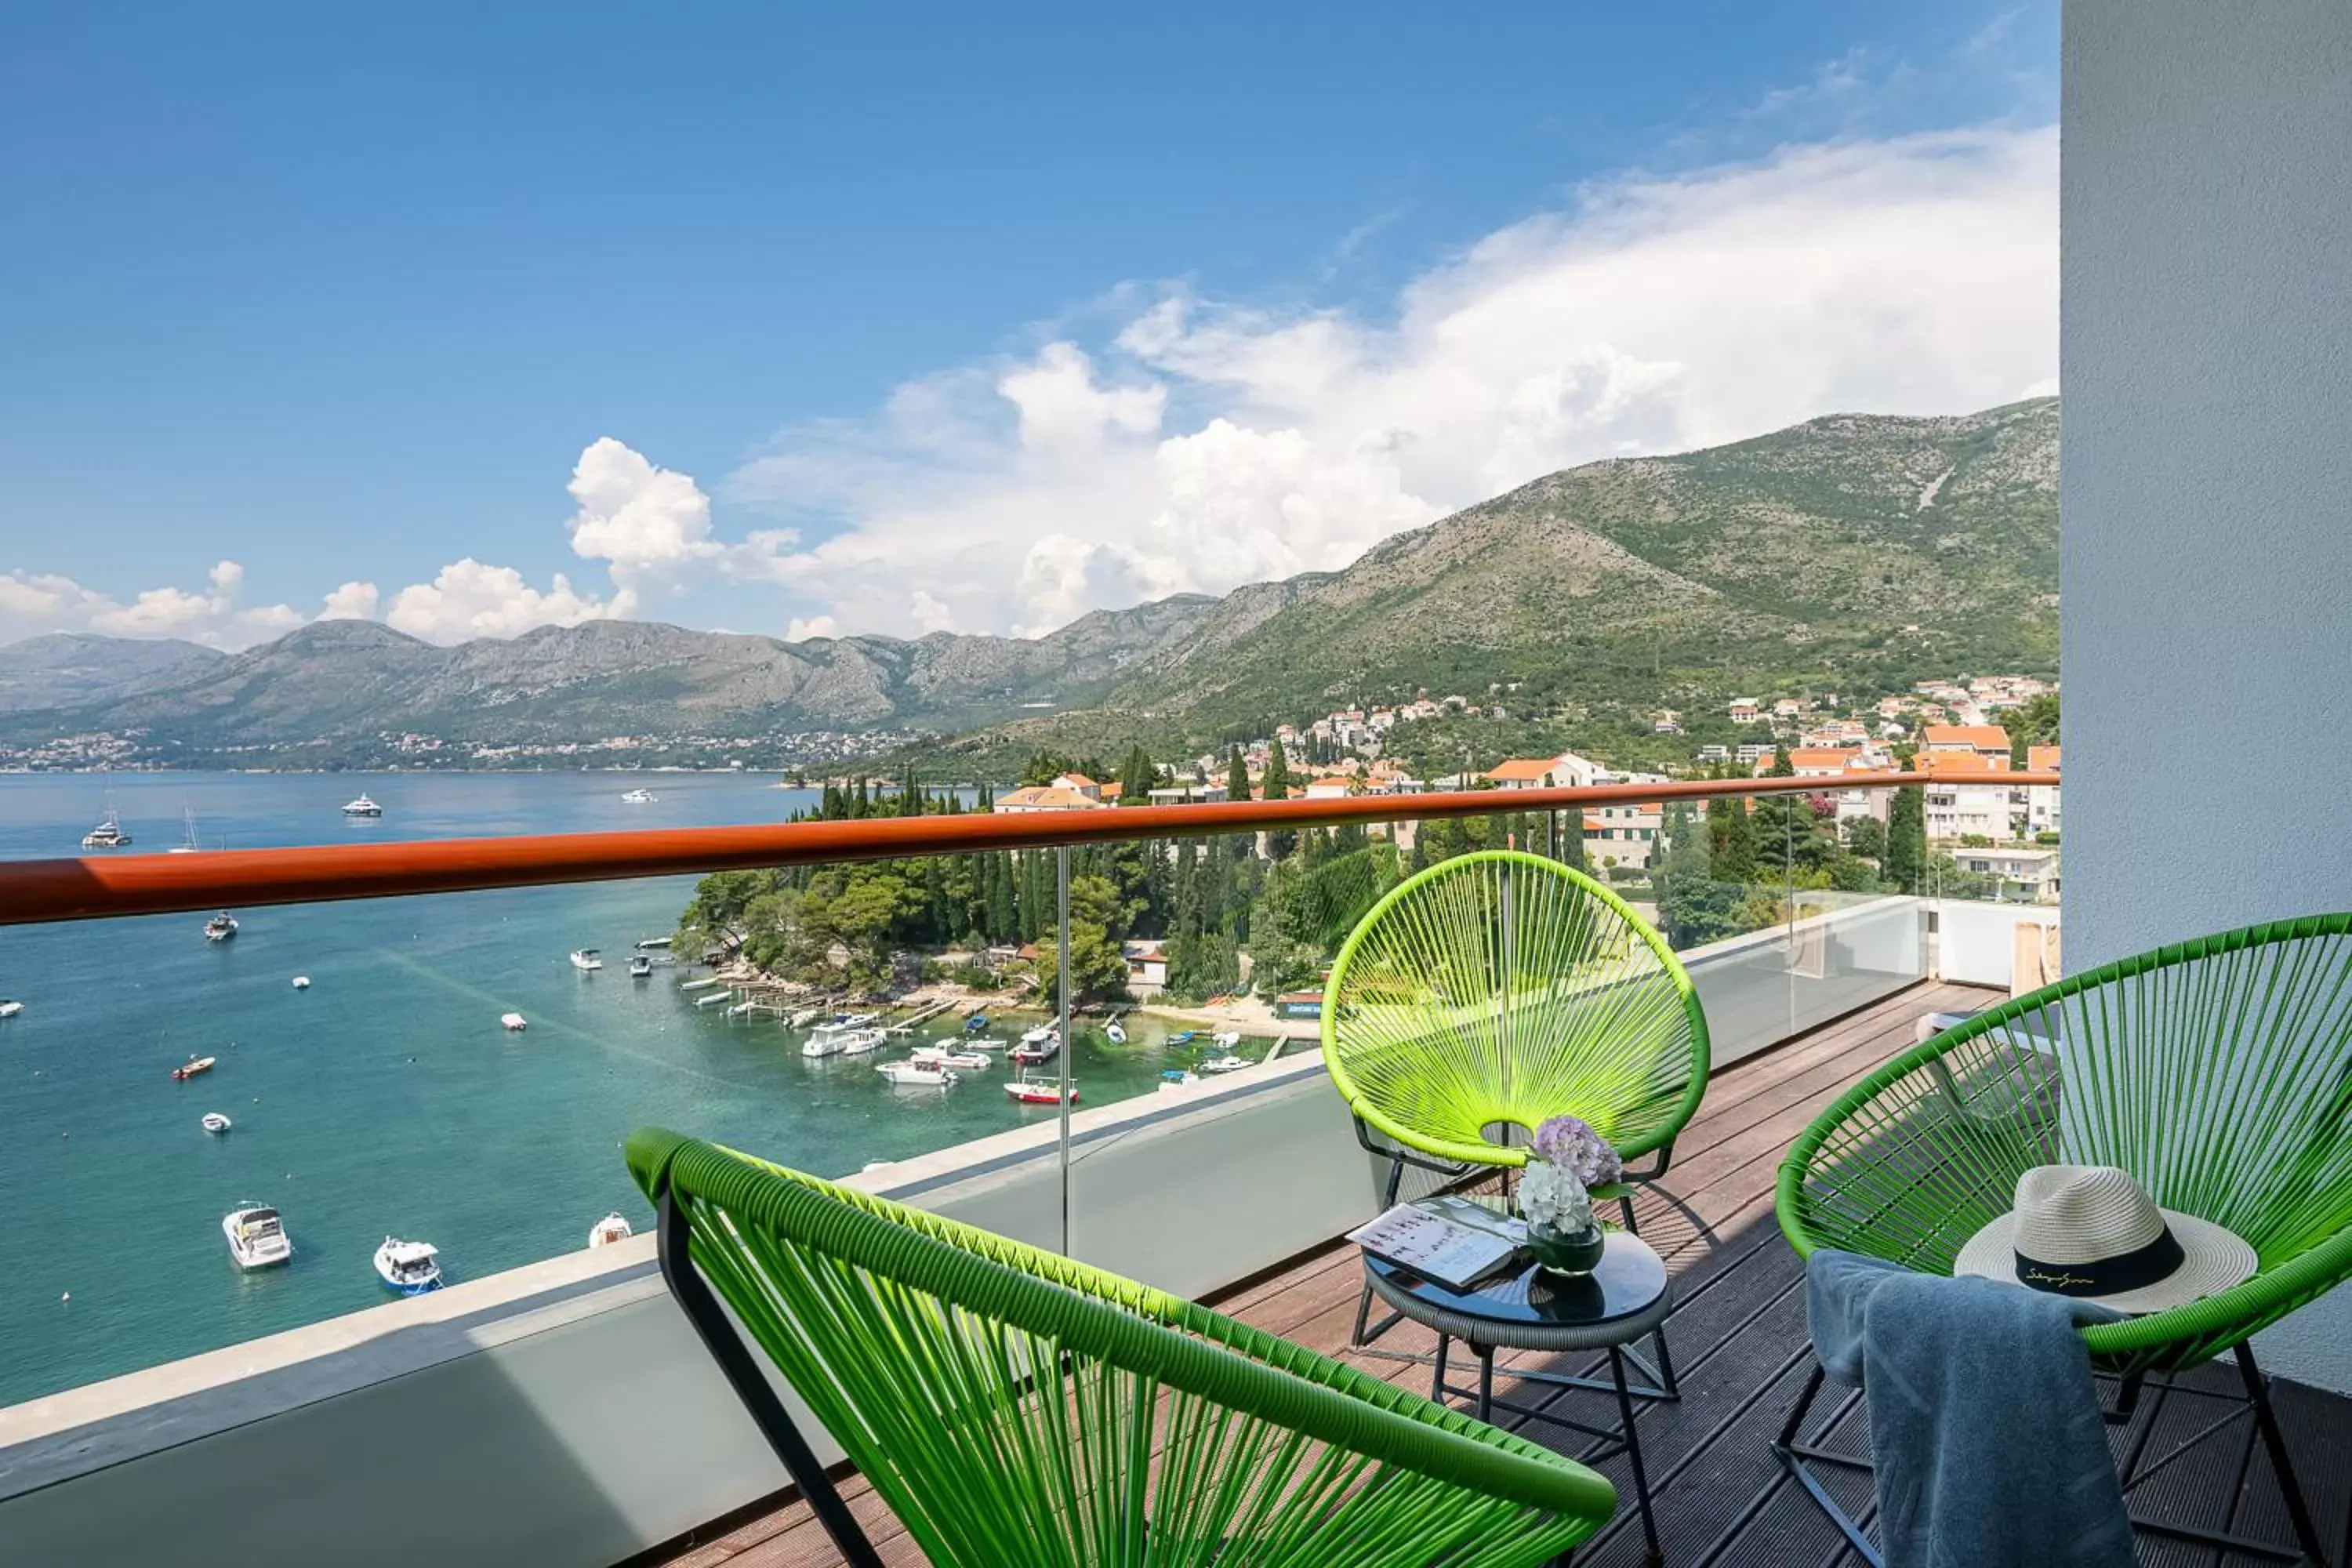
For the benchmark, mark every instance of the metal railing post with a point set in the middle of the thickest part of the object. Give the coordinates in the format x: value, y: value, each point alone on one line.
x: 1069, y: 1046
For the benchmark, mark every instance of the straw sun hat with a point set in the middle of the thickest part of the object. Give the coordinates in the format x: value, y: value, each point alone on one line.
x: 2091, y: 1232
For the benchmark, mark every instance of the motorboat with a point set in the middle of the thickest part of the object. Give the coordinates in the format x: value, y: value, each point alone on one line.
x: 713, y: 998
x: 641, y: 967
x: 107, y: 835
x: 918, y: 1073
x: 613, y: 1227
x: 1039, y: 1091
x: 639, y: 797
x: 10, y: 1006
x: 1037, y: 1047
x: 362, y: 806
x: 587, y: 959
x: 301, y: 982
x: 1115, y: 1031
x: 212, y: 1121
x: 973, y: 1023
x: 840, y: 1039
x: 192, y: 1066
x: 986, y: 1043
x: 513, y: 1023
x: 1183, y: 1036
x: 651, y: 943
x: 256, y: 1236
x: 1223, y: 1064
x: 855, y: 1020
x: 965, y: 1061
x: 411, y: 1268
x: 1177, y: 1078
x: 1225, y: 1040
x: 221, y: 927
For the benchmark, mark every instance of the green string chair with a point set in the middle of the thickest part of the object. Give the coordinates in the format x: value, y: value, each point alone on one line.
x: 2219, y: 1073
x: 1015, y: 1407
x: 1493, y: 990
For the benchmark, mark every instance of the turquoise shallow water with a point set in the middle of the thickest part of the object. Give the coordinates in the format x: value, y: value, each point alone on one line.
x: 385, y: 1098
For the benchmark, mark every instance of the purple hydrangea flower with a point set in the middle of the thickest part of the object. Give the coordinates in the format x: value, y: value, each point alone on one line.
x: 1571, y: 1142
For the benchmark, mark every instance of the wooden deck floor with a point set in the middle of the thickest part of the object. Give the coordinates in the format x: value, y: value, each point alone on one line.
x: 1739, y: 1345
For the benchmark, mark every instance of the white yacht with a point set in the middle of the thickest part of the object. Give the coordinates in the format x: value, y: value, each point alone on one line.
x: 841, y: 1039
x: 10, y: 1006
x: 256, y: 1236
x: 613, y: 1227
x: 513, y: 1023
x: 587, y: 959
x: 221, y: 927
x: 641, y: 967
x: 963, y: 1061
x: 411, y: 1268
x: 640, y: 797
x: 918, y: 1073
x: 214, y: 1123
x: 362, y: 806
x: 107, y: 835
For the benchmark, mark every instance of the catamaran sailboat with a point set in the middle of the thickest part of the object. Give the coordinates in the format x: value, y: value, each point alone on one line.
x: 256, y: 1236
x: 362, y: 806
x: 411, y: 1268
x: 107, y: 835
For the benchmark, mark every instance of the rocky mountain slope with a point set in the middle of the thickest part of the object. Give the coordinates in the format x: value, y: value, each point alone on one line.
x: 1864, y: 549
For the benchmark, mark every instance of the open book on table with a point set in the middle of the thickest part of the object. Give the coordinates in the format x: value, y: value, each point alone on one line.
x: 1454, y: 1241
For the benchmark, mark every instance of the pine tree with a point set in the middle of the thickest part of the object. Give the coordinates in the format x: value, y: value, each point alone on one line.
x: 1277, y: 786
x: 1906, y: 841
x: 1136, y: 779
x: 1237, y: 777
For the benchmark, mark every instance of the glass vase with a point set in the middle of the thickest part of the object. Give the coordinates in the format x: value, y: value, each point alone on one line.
x: 1574, y: 1252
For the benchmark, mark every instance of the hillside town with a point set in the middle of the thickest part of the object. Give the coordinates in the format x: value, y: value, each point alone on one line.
x: 2004, y: 832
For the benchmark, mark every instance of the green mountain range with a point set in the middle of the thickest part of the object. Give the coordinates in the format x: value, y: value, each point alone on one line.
x: 1855, y: 552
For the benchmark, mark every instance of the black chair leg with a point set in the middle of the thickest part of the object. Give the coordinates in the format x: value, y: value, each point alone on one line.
x: 751, y: 1387
x: 2258, y: 1395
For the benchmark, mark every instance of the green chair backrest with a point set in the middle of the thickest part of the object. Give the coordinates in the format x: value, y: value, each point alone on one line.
x: 1015, y: 1407
x: 1501, y: 988
x: 2217, y: 1071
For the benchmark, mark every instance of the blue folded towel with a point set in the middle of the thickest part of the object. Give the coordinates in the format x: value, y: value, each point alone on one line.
x: 1984, y: 1434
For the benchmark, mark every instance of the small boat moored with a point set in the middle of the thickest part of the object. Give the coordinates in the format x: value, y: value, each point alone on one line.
x: 256, y: 1236
x: 1225, y: 1040
x: 513, y: 1023
x: 221, y: 927
x: 918, y: 1073
x: 1183, y: 1036
x: 613, y: 1227
x: 1115, y: 1030
x: 1039, y: 1091
x: 840, y: 1039
x: 974, y: 1023
x: 641, y: 967
x: 362, y: 806
x: 411, y: 1268
x: 1223, y: 1064
x: 651, y: 943
x: 10, y: 1006
x: 192, y: 1066
x: 639, y: 797
x: 212, y: 1121
x: 964, y: 1061
x: 587, y: 960
x: 301, y: 982
x: 1038, y: 1047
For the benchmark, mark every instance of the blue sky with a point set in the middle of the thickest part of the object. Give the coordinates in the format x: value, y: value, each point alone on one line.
x: 862, y: 317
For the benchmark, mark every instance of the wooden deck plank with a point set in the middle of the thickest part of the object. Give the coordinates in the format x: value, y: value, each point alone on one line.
x: 1738, y: 1340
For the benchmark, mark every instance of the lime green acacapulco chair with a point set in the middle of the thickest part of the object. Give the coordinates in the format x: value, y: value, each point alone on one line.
x: 1496, y: 990
x: 2219, y: 1073
x: 1016, y: 1407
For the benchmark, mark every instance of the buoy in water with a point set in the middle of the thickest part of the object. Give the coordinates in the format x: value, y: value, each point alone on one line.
x: 66, y: 1298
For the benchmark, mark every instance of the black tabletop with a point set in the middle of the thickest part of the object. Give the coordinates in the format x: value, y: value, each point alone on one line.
x: 1629, y: 1279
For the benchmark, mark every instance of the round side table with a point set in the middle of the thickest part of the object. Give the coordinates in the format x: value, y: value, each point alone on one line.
x: 1526, y: 1309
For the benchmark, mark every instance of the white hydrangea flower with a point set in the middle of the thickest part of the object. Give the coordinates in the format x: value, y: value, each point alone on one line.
x: 1552, y: 1196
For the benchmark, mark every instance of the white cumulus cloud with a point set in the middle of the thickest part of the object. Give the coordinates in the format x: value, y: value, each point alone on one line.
x: 1916, y: 274
x: 31, y: 604
x: 352, y: 601
x: 471, y: 598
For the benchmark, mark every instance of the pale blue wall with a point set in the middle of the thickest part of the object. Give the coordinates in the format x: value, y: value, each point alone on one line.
x: 2207, y: 493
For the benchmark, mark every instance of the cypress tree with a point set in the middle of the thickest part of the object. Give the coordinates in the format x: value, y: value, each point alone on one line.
x: 1906, y: 839
x: 1275, y: 785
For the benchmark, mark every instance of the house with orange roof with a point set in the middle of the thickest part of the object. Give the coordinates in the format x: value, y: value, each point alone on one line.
x: 1079, y: 784
x: 1968, y: 794
x: 1622, y: 834
x: 1566, y: 771
x: 1047, y: 798
x: 1984, y: 740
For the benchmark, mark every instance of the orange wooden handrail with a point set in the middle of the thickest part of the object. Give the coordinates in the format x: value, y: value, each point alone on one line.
x: 95, y: 888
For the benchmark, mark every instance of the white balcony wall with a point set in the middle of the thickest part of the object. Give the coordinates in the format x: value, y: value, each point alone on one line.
x: 2207, y: 559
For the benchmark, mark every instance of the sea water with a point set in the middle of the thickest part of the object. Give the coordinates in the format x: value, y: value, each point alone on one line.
x: 385, y: 1098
